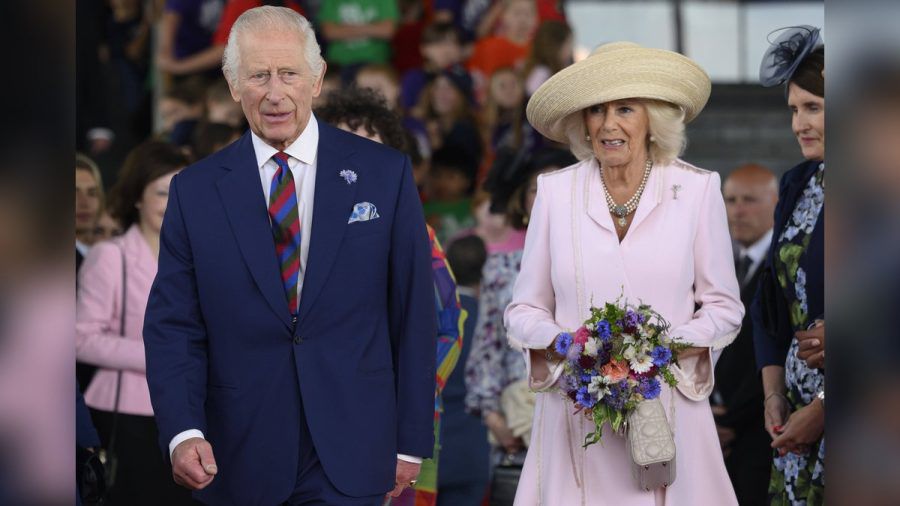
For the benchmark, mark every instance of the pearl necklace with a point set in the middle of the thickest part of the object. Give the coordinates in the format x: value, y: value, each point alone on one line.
x: 621, y: 211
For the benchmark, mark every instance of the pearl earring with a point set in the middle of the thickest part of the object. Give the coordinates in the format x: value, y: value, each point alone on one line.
x: 652, y: 139
x: 587, y: 137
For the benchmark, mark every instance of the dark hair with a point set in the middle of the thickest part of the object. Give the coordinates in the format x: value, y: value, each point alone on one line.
x: 510, y: 174
x: 363, y: 107
x: 192, y: 91
x: 809, y: 74
x: 450, y: 158
x: 548, y: 40
x: 208, y: 137
x: 145, y: 163
x: 438, y: 32
x: 218, y: 91
x: 466, y: 257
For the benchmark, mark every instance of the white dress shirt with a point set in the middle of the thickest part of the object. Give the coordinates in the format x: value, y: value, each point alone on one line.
x: 757, y: 253
x: 302, y: 155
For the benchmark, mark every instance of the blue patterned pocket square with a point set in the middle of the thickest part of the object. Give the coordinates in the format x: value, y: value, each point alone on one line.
x: 363, y: 211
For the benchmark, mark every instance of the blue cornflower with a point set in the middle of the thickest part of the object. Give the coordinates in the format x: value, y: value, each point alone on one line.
x: 604, y: 330
x: 563, y: 342
x: 584, y: 398
x: 649, y: 388
x: 661, y: 356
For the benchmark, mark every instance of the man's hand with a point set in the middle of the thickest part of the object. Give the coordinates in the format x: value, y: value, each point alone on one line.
x: 193, y: 465
x: 803, y: 428
x: 776, y: 412
x: 407, y: 472
x: 812, y: 345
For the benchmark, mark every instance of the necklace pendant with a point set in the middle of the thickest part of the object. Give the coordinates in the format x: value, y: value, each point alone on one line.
x: 622, y: 221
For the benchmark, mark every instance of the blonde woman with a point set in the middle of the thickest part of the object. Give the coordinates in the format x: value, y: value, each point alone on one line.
x: 630, y: 218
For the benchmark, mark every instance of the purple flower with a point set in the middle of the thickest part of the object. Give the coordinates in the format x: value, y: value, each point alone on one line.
x: 632, y: 319
x: 563, y: 341
x: 661, y: 356
x: 574, y: 352
x: 584, y: 398
x: 604, y: 330
x: 649, y: 388
x: 618, y: 395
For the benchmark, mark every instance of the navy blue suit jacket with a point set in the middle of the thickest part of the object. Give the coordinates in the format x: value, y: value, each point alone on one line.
x: 225, y: 357
x: 771, y: 349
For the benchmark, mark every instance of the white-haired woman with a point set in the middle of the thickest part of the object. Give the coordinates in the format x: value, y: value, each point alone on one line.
x: 630, y: 218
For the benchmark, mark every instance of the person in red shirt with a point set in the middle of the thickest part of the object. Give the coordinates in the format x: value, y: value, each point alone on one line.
x: 507, y: 49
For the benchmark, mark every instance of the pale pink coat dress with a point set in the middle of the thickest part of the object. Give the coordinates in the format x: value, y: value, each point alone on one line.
x: 676, y: 254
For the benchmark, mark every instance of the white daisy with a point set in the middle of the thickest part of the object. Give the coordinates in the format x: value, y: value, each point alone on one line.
x: 641, y: 363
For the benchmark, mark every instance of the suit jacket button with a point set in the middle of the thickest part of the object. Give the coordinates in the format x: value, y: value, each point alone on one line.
x: 298, y: 339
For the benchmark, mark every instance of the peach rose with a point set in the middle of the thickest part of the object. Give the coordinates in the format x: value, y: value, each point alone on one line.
x: 615, y: 370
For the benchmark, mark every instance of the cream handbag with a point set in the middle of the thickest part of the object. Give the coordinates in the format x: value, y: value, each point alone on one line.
x: 651, y: 445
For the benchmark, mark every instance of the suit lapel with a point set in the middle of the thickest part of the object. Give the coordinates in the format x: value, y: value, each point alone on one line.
x: 332, y: 206
x: 245, y: 207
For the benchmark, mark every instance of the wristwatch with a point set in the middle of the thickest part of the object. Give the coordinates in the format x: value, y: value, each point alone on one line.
x: 821, y: 397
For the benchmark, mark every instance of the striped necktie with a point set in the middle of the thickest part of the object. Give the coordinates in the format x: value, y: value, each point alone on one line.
x: 284, y: 212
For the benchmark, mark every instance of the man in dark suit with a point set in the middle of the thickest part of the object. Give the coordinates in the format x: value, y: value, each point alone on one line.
x: 751, y: 192
x: 286, y: 327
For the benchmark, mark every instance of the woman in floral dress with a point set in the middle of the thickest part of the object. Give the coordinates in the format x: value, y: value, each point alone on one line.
x: 789, y: 322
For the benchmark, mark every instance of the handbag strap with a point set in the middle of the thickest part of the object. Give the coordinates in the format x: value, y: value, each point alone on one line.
x: 122, y: 311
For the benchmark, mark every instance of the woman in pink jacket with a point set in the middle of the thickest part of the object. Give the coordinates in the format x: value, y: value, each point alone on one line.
x: 629, y: 219
x: 113, y: 342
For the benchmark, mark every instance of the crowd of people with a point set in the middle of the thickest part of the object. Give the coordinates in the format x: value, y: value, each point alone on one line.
x: 511, y: 147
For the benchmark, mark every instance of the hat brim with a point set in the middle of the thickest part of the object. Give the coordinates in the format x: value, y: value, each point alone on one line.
x: 624, y: 71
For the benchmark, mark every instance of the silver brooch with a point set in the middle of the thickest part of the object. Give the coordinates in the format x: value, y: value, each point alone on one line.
x: 675, y: 189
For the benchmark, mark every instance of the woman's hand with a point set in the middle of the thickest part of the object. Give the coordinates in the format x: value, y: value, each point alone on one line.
x: 804, y: 427
x: 776, y: 414
x: 812, y: 345
x: 496, y: 423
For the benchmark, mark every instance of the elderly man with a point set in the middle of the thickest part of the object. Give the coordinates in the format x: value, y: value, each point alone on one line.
x: 751, y: 192
x: 284, y: 331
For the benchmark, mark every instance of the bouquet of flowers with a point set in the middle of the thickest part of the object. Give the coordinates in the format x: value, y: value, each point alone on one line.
x: 615, y: 361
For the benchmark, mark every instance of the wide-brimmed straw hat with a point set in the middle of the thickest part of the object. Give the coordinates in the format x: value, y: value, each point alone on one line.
x: 617, y: 71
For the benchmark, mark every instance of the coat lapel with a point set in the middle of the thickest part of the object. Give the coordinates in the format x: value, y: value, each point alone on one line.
x: 595, y: 198
x: 649, y: 199
x: 245, y: 207
x: 332, y: 206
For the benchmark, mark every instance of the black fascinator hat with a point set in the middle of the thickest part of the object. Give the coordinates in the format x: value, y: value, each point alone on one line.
x: 787, y: 52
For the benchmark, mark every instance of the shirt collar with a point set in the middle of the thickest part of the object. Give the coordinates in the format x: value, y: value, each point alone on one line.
x: 757, y: 251
x: 82, y: 247
x: 304, y: 148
